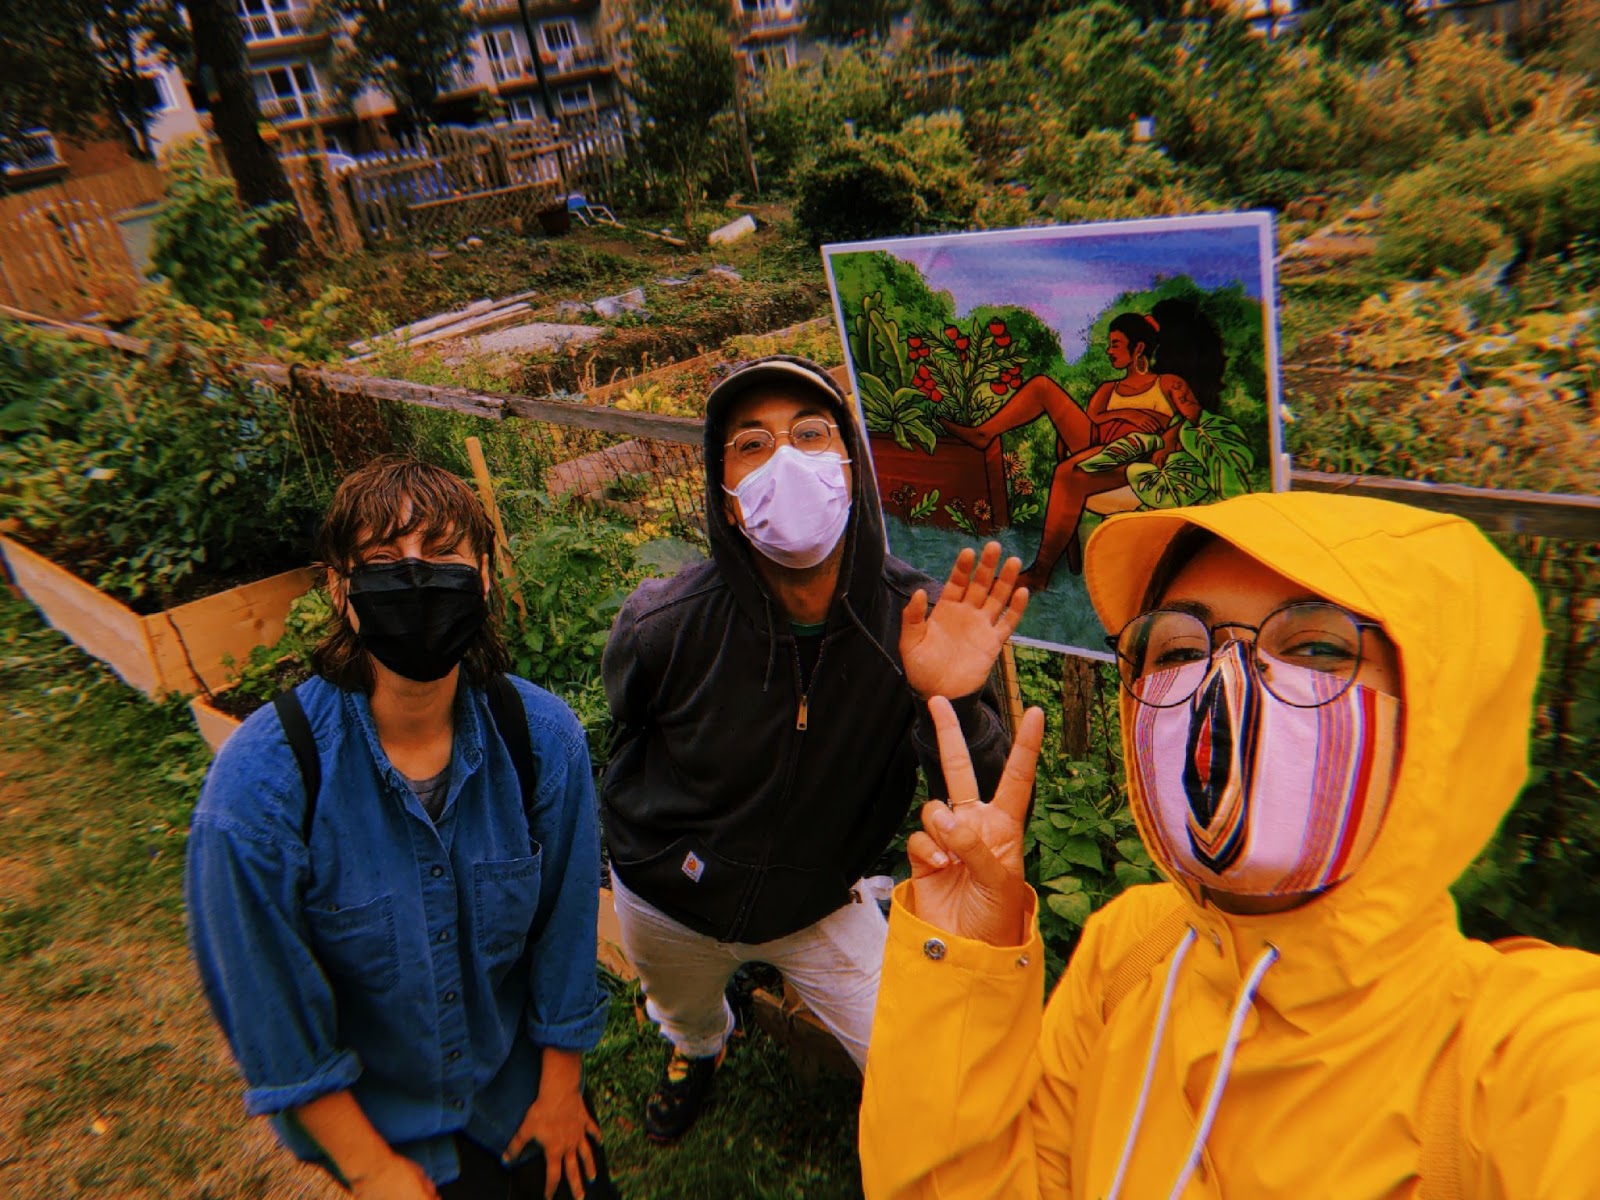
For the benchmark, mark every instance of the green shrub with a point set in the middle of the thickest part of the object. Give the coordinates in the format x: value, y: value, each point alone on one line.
x: 207, y: 246
x: 880, y: 185
x: 1431, y: 221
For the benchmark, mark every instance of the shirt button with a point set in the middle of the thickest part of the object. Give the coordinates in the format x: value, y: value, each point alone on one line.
x: 454, y: 1056
x: 436, y: 872
x: 933, y: 948
x: 444, y: 935
x: 449, y: 997
x: 458, y: 1103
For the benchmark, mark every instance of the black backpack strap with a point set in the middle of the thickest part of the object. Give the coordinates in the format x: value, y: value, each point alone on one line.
x: 511, y: 721
x: 297, y: 729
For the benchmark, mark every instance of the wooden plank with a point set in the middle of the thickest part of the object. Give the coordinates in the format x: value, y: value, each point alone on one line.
x: 689, y: 430
x: 215, y: 726
x: 190, y: 643
x: 1495, y: 510
x: 98, y: 625
x: 445, y: 201
x: 79, y: 330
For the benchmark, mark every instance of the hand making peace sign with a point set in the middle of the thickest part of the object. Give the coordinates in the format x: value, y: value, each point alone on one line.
x: 949, y: 651
x: 966, y: 865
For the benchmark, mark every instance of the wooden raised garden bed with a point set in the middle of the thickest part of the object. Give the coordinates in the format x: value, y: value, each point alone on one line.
x: 971, y: 481
x: 215, y: 726
x: 179, y: 649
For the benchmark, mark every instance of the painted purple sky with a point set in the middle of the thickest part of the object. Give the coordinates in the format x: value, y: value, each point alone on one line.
x: 1068, y: 281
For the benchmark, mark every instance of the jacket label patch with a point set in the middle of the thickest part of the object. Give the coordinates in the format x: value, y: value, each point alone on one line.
x: 693, y: 866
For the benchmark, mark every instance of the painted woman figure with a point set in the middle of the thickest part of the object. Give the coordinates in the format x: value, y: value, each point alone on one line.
x: 1167, y: 376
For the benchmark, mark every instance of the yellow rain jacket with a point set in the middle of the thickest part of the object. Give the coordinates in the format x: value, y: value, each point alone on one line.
x: 1377, y: 998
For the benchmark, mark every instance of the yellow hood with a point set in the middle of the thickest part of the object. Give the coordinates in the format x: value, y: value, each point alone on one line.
x: 1468, y: 629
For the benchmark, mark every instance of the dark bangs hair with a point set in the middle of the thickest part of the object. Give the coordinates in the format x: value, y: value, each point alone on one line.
x: 388, y: 499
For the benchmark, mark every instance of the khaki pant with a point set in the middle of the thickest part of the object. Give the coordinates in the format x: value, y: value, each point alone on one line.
x: 834, y: 965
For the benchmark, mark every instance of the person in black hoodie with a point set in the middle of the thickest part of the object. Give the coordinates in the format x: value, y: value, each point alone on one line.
x: 770, y: 713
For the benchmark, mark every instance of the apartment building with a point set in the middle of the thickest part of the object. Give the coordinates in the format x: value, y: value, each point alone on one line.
x: 291, y: 61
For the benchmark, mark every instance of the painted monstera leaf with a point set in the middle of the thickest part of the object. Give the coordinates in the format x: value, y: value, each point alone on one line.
x: 1129, y: 448
x: 1181, y: 479
x: 1223, y: 451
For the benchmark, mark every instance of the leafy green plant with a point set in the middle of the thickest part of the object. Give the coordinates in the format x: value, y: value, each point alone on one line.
x: 903, y: 413
x: 271, y: 669
x: 206, y: 245
x: 182, y: 465
x: 967, y: 369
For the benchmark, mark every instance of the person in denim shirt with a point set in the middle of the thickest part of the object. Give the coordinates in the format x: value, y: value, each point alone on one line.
x: 409, y: 989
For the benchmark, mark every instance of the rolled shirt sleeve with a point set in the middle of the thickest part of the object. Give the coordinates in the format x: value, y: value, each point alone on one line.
x: 566, y: 1006
x: 263, y: 984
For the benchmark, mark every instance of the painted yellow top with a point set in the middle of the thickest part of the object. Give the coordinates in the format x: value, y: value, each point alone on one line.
x: 1151, y: 398
x: 971, y: 1091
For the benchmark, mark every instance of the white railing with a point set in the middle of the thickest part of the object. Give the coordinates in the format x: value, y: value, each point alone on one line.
x: 42, y: 152
x: 275, y: 23
x: 298, y: 107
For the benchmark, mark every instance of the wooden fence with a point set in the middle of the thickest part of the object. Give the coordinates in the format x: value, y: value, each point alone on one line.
x: 1568, y: 518
x: 114, y: 191
x: 458, y: 179
x: 67, y: 257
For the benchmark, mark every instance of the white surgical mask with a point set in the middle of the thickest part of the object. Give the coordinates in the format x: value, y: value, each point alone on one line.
x: 1249, y: 795
x: 794, y: 506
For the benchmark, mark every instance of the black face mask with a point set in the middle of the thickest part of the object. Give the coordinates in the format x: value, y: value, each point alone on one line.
x: 417, y: 618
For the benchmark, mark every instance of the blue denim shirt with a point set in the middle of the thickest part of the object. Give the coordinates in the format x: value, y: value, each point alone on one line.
x: 421, y: 966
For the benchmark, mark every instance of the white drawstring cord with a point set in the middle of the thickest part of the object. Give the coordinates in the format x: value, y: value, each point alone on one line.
x: 1219, y: 1080
x: 1150, y: 1062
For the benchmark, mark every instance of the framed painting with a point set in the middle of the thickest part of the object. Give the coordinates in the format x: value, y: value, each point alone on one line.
x: 1025, y: 384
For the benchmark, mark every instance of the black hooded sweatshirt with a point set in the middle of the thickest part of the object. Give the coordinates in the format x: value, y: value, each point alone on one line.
x: 724, y: 807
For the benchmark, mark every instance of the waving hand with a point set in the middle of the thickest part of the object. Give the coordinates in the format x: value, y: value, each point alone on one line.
x: 949, y: 651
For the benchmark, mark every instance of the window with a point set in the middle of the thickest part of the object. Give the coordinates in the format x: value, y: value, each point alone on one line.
x: 155, y: 94
x: 289, y: 90
x: 559, y: 36
x: 507, y: 57
x: 575, y: 99
x: 525, y: 108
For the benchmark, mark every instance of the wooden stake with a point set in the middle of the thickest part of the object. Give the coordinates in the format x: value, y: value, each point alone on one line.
x: 502, y: 545
x: 1013, y: 688
x: 1077, y: 697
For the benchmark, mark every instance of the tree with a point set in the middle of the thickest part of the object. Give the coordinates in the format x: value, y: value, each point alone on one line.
x: 682, y: 82
x: 982, y: 28
x: 850, y: 20
x: 83, y: 63
x: 409, y: 48
x: 218, y: 64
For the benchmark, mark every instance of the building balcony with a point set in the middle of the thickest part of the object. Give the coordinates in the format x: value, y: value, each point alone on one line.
x: 771, y: 21
x: 306, y: 106
x: 276, y: 25
x: 557, y: 64
x: 500, y: 9
x: 38, y: 160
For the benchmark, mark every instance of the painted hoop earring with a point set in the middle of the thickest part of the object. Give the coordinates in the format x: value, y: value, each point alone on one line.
x: 1141, y: 364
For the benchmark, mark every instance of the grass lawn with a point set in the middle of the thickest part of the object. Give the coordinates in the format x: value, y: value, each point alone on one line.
x: 114, y: 1081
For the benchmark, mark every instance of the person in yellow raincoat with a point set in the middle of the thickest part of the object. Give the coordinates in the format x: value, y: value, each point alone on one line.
x: 1324, y: 716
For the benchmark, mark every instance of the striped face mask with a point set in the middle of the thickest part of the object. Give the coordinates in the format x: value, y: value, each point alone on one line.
x: 1256, y: 797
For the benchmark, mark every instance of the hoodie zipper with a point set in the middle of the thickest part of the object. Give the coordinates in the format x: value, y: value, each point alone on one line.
x: 802, y: 719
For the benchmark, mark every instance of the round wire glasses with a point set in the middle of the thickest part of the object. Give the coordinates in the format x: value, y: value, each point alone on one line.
x: 809, y: 435
x: 1163, y: 656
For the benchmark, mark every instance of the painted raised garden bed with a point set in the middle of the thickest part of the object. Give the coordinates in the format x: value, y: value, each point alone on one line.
x: 955, y: 484
x: 183, y: 649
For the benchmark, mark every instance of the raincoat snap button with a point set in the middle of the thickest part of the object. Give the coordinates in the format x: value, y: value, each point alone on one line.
x: 1216, y: 941
x: 1022, y: 960
x: 933, y: 948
